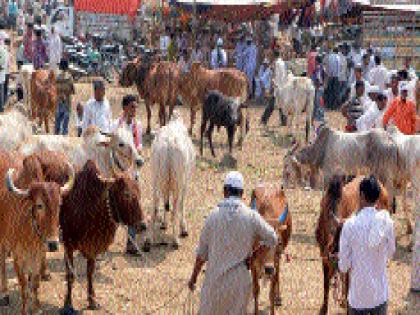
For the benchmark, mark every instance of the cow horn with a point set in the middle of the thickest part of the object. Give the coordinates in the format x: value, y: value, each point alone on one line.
x: 70, y: 183
x: 11, y: 186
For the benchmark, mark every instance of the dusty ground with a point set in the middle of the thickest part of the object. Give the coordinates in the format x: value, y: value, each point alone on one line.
x: 126, y: 285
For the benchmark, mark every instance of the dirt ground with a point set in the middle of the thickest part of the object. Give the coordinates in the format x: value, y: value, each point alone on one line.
x: 156, y: 283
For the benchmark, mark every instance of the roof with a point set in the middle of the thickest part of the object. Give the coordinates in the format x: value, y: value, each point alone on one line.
x: 117, y: 7
x: 390, y: 5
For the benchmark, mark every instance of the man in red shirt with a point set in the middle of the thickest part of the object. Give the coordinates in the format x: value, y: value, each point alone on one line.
x: 402, y: 112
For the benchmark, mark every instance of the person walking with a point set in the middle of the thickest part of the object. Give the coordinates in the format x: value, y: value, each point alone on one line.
x: 65, y: 90
x: 39, y: 50
x: 379, y: 74
x: 333, y: 84
x: 250, y: 64
x: 27, y: 43
x: 55, y: 49
x: 218, y: 56
x: 366, y: 244
x: 280, y: 77
x: 226, y: 244
x: 97, y: 110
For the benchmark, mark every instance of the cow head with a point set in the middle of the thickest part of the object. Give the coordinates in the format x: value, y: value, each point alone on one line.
x: 293, y: 171
x: 43, y: 200
x: 125, y: 201
x: 119, y: 148
x: 123, y: 153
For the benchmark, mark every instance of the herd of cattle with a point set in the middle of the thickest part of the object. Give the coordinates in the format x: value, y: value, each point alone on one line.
x: 85, y: 185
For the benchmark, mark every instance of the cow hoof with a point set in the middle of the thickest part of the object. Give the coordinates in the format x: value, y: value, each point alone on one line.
x: 184, y: 234
x: 163, y: 227
x: 46, y: 277
x: 94, y: 306
x: 175, y: 245
x: 277, y: 301
x: 147, y: 246
x: 4, y: 301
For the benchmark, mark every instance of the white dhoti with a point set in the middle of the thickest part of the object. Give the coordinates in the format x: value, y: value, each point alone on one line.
x: 228, y: 294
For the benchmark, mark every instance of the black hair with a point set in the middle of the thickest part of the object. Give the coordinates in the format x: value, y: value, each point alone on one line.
x: 276, y: 53
x: 365, y: 56
x: 377, y: 60
x: 370, y: 189
x: 381, y: 97
x: 235, y: 192
x: 64, y: 64
x: 127, y: 100
x: 359, y: 84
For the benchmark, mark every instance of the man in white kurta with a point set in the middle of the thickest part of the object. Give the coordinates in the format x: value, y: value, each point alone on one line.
x: 97, y: 110
x: 55, y: 49
x: 379, y: 74
x: 373, y: 117
x: 218, y: 58
x: 250, y: 62
x: 226, y: 244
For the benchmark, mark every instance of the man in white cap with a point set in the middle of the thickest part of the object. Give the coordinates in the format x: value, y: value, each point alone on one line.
x: 226, y: 244
x: 218, y: 56
x: 402, y: 111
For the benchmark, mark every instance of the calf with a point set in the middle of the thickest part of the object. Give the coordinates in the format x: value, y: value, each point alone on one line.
x: 340, y: 201
x: 220, y: 110
x: 34, y: 210
x: 271, y: 203
x: 89, y: 218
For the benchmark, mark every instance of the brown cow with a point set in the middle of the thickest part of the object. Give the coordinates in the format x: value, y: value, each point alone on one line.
x: 271, y: 202
x: 340, y: 201
x: 156, y: 83
x: 29, y: 221
x: 44, y: 96
x: 89, y: 218
x: 194, y: 86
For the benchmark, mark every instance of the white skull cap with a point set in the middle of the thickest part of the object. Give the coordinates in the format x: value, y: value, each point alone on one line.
x: 234, y: 179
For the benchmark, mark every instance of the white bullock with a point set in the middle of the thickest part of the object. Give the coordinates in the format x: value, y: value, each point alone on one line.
x: 112, y: 151
x: 15, y: 127
x: 173, y: 161
x: 25, y: 77
x: 294, y: 96
x: 409, y: 149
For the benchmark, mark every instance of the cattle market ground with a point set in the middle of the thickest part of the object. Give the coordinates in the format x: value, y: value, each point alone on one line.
x: 126, y: 285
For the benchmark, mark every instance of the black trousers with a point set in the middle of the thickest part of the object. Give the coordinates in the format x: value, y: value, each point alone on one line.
x: 379, y: 310
x: 6, y: 88
x: 269, y: 111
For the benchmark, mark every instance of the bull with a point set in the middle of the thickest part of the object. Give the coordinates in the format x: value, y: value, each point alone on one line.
x: 90, y: 215
x: 173, y: 161
x: 271, y: 203
x: 32, y: 205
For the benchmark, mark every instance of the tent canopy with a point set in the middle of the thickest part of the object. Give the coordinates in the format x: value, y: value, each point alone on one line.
x: 117, y: 7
